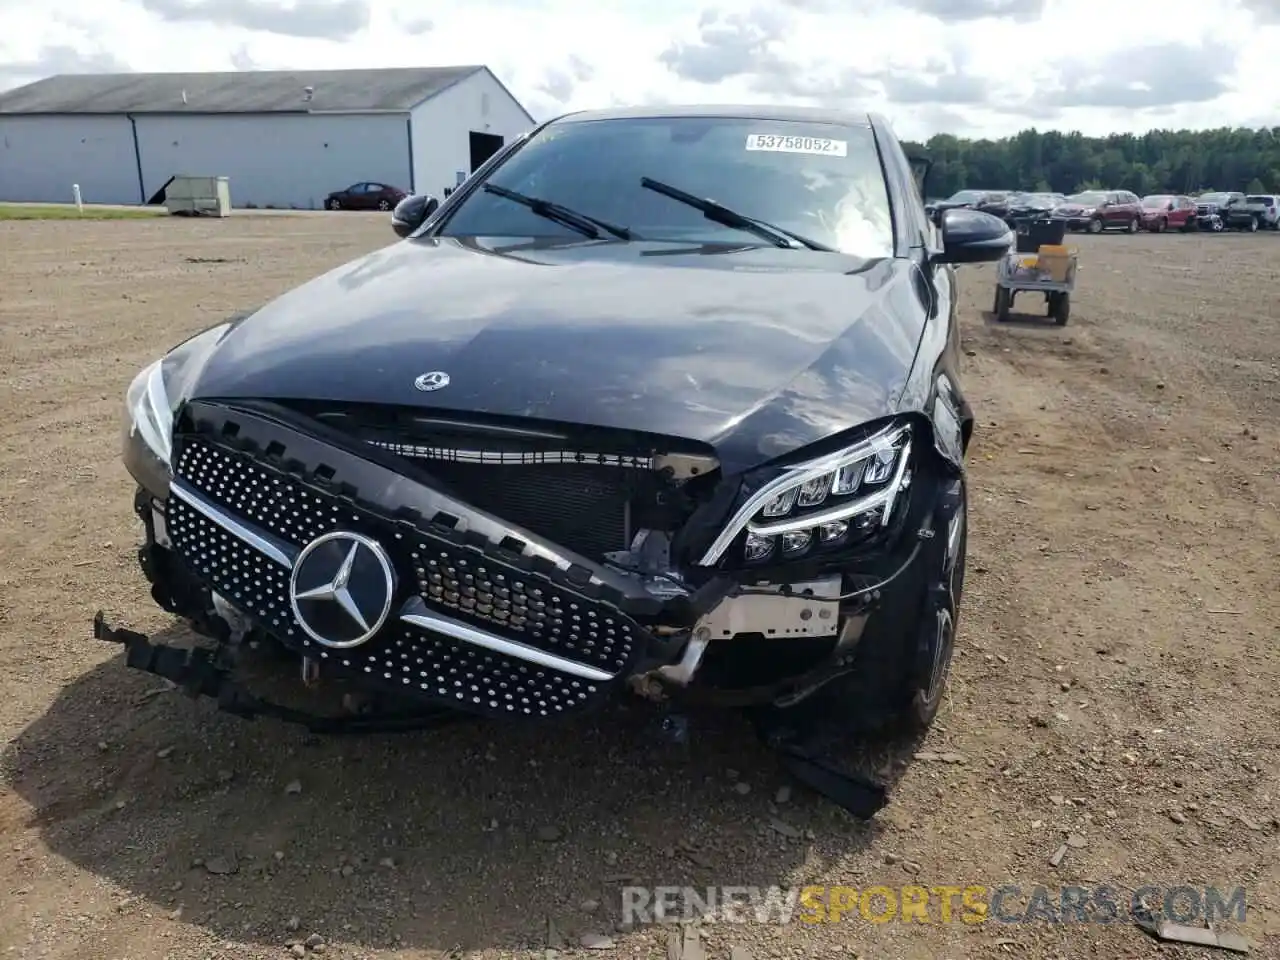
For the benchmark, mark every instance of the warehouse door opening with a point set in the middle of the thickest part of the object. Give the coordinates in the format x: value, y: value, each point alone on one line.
x: 483, y: 146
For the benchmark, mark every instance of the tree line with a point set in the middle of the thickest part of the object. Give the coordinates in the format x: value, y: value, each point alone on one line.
x: 1161, y: 161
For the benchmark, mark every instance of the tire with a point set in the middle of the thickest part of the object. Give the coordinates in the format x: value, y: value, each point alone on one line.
x: 1134, y: 225
x: 1095, y: 225
x: 1253, y: 224
x: 334, y: 204
x: 928, y: 683
x: 1162, y: 225
x: 384, y: 204
x: 1060, y: 309
x: 897, y: 684
x: 1004, y: 300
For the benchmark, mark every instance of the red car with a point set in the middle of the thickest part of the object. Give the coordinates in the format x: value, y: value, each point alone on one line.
x: 365, y: 196
x: 1163, y: 211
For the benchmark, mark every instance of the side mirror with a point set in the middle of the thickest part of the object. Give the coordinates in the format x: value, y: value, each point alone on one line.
x: 411, y: 212
x: 970, y: 236
x: 1172, y: 206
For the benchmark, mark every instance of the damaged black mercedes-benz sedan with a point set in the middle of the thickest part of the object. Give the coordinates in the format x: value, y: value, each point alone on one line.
x: 659, y: 403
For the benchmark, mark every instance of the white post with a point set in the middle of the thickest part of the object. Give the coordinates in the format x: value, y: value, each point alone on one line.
x: 75, y: 192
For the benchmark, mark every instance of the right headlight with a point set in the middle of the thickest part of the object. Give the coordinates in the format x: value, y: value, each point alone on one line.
x: 149, y: 406
x: 829, y: 501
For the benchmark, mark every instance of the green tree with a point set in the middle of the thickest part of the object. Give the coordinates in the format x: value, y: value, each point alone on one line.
x: 1159, y: 161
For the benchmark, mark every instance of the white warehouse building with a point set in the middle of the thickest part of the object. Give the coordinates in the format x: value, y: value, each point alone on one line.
x: 284, y: 138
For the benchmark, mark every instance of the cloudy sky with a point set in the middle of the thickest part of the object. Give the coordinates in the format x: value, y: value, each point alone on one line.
x: 971, y: 67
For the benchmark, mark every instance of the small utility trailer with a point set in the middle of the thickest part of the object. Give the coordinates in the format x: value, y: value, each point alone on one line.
x: 1022, y: 273
x: 1040, y: 265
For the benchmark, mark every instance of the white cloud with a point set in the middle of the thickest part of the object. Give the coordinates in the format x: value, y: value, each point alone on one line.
x: 994, y: 66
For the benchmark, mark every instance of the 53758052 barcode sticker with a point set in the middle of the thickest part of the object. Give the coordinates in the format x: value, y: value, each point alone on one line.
x: 816, y: 145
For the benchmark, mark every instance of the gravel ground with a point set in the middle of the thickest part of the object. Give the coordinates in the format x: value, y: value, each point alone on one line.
x: 1115, y: 680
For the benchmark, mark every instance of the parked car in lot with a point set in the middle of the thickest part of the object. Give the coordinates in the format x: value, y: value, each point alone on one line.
x: 1214, y: 209
x: 365, y: 196
x: 585, y: 434
x: 1030, y: 205
x: 994, y: 202
x: 1098, y: 210
x: 1261, y: 210
x: 1164, y: 211
x: 962, y: 199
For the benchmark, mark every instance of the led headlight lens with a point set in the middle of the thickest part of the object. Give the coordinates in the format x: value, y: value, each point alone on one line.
x: 832, y: 500
x: 147, y: 445
x: 149, y: 405
x: 148, y: 413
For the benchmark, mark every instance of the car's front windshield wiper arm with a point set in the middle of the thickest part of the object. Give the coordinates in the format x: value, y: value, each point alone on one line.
x: 719, y: 213
x: 555, y: 211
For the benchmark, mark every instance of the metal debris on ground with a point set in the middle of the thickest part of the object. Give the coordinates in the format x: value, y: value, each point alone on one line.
x: 1168, y: 932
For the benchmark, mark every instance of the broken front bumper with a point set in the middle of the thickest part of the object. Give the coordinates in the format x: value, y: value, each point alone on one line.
x: 492, y: 621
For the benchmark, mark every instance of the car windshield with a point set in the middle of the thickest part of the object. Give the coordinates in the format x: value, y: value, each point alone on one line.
x: 1088, y: 199
x: 1156, y: 202
x: 1265, y: 201
x: 966, y: 196
x: 819, y: 180
x: 1213, y: 198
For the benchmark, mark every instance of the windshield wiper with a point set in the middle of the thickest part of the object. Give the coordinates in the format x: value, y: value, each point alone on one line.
x: 719, y: 213
x: 555, y: 211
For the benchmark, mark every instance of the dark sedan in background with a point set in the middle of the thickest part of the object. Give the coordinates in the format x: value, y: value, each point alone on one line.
x: 1028, y: 206
x: 367, y: 195
x: 993, y: 202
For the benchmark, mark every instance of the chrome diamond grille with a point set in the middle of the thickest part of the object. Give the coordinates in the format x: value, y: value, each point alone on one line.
x: 253, y: 583
x: 545, y: 617
x: 461, y: 580
x: 472, y: 677
x: 264, y: 498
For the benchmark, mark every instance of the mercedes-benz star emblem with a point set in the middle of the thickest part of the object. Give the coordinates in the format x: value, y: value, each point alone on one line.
x: 435, y: 380
x: 341, y: 589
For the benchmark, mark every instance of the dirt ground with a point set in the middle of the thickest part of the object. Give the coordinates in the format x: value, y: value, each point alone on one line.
x: 1115, y: 680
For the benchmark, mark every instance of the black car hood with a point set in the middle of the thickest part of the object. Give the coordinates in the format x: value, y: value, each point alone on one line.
x: 756, y: 352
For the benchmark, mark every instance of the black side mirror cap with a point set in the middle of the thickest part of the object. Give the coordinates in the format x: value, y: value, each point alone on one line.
x: 971, y: 236
x: 412, y: 212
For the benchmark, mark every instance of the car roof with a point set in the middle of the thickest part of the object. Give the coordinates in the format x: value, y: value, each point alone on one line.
x: 851, y: 118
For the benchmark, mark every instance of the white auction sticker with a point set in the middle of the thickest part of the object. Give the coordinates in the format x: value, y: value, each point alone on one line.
x: 816, y: 145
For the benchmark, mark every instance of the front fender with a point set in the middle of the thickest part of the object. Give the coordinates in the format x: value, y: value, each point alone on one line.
x: 951, y: 423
